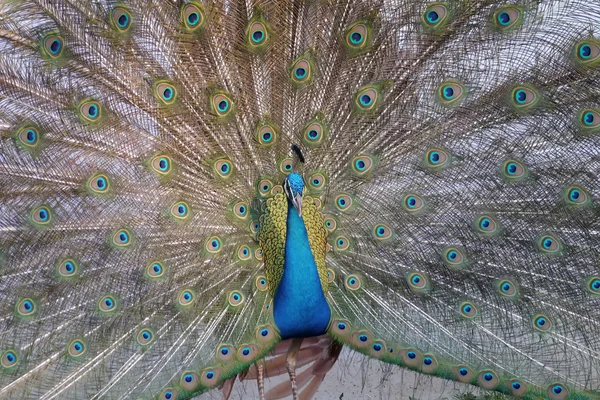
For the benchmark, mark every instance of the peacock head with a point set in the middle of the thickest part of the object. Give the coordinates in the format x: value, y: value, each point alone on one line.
x: 294, y: 184
x: 294, y: 187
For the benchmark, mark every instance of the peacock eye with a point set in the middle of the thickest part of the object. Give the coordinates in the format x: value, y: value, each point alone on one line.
x: 53, y: 45
x: 90, y: 110
x: 587, y: 51
x: 301, y: 71
x: 435, y: 16
x: 222, y: 105
x: 524, y: 98
x: 121, y: 18
x: 314, y: 134
x: 213, y: 244
x: 257, y: 34
x: 223, y: 168
x: 166, y: 93
x: 451, y: 93
x: 192, y: 16
x: 357, y: 36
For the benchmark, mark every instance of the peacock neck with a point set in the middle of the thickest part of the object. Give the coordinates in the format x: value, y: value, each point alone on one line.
x: 299, y: 307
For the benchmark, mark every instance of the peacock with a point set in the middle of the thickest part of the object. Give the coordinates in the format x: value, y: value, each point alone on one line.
x: 194, y: 192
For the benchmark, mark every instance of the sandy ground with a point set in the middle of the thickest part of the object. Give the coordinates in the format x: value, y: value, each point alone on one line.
x: 355, y: 376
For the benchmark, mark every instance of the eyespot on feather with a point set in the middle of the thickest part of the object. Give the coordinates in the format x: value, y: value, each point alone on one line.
x: 155, y: 270
x: 192, y: 17
x: 68, y: 268
x: 223, y: 168
x: 314, y: 133
x: 557, y: 391
x: 508, y: 18
x: 76, y: 348
x: 523, y: 98
x: 221, y: 105
x: 41, y: 216
x: 463, y: 373
x: 451, y: 93
x: 145, y: 336
x: 488, y: 379
x: 107, y: 304
x: 90, y: 111
x: 26, y: 307
x: 435, y: 16
x: 53, y: 45
x: 161, y: 165
x: 122, y: 238
x: 9, y: 359
x: 189, y: 381
x: 213, y: 244
x: 165, y: 92
x: 587, y: 52
x: 235, y: 298
x: 413, y: 203
x: 28, y: 137
x: 121, y: 19
x: 186, y: 297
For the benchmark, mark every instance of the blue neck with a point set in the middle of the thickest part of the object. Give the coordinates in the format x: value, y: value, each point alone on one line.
x: 299, y: 306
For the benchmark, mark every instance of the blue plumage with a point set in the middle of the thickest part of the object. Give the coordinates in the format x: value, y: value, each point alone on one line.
x: 299, y: 308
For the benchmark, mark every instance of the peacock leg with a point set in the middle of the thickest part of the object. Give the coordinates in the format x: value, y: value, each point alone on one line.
x: 290, y: 363
x: 260, y: 367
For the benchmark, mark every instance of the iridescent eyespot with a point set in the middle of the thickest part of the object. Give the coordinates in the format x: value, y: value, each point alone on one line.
x: 223, y: 168
x: 362, y: 339
x: 213, y: 244
x: 67, y: 268
x: 486, y: 225
x: 430, y: 364
x: 589, y: 119
x: 468, y: 310
x: 378, y: 349
x: 257, y: 35
x: 557, y: 391
x: 330, y: 275
x: 437, y: 159
x: 235, y: 298
x: 413, y: 203
x: 341, y: 327
x: 382, y: 232
x: 266, y: 135
x: 26, y: 307
x: 451, y: 93
x: 330, y: 224
x: 276, y: 189
x: 243, y: 252
x: 225, y: 352
x: 576, y: 196
x: 357, y: 37
x: 593, y: 284
x: 514, y: 170
x: 9, y: 359
x: 265, y: 333
x: 314, y: 133
x: 28, y: 136
x: 258, y: 254
x: 41, y: 215
x: 185, y: 297
x: 342, y: 243
x: 180, y: 210
x: 145, y: 336
x: 264, y: 187
x: 361, y: 165
x: 549, y: 244
x: 435, y: 15
x: 222, y: 105
x: 189, y: 380
x: 542, y: 323
x: 517, y: 388
x: 192, y: 16
x: 98, y: 184
x: 367, y: 98
x: 76, y: 348
x: 417, y: 281
x: 261, y: 283
x: 161, y: 165
x: 165, y: 93
x: 352, y: 282
x: 168, y: 394
x: 122, y: 238
x: 463, y: 374
x: 454, y: 257
x: 107, y: 304
x: 155, y: 270
x: 488, y: 379
x: 301, y: 71
x: 343, y: 202
x: 254, y: 226
x: 121, y: 18
x: 523, y: 97
x: 90, y: 110
x: 317, y: 182
x: 53, y: 45
x: 507, y: 18
x: 507, y: 288
x: 587, y: 51
x: 286, y: 166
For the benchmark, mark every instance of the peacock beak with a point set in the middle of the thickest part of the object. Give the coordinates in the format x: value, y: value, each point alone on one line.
x: 297, y: 202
